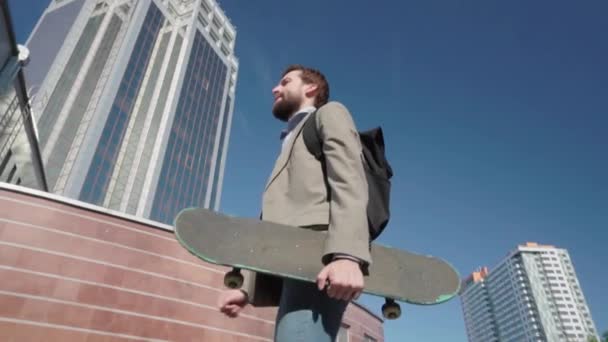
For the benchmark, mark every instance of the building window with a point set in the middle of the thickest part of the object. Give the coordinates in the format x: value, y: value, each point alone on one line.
x: 12, y: 174
x: 98, y: 176
x: 196, y: 116
x: 5, y: 161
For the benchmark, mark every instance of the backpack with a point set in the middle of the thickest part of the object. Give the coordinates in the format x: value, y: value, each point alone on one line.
x: 378, y: 172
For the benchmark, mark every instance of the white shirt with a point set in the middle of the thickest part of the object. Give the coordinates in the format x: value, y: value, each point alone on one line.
x: 293, y: 121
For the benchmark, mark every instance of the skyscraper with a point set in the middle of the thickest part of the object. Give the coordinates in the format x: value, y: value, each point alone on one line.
x: 532, y: 295
x: 134, y: 102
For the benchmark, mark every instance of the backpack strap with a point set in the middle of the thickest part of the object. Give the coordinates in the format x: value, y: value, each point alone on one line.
x: 311, y: 137
x: 314, y: 145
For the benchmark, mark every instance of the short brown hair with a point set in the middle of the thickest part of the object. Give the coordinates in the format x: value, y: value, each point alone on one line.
x: 310, y: 75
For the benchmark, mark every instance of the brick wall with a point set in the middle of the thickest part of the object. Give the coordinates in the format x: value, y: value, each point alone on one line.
x: 74, y: 272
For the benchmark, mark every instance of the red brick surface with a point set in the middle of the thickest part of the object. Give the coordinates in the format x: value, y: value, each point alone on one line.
x: 74, y: 274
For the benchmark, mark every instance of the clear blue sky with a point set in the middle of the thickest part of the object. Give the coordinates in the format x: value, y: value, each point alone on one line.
x: 495, y: 116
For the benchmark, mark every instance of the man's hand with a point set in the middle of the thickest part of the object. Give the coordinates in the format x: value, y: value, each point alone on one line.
x: 345, y: 279
x: 231, y: 302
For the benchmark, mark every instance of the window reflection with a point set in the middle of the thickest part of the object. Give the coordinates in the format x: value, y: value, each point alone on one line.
x: 189, y: 155
x: 99, y: 173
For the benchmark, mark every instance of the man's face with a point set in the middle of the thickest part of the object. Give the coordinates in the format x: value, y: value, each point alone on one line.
x: 288, y: 95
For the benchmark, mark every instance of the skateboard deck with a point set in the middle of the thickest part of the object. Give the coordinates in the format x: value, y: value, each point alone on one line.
x: 293, y: 252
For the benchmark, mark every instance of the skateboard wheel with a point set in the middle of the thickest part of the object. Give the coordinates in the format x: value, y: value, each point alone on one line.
x: 391, y: 310
x: 233, y: 279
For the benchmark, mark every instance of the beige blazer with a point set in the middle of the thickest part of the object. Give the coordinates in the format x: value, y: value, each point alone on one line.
x: 296, y: 194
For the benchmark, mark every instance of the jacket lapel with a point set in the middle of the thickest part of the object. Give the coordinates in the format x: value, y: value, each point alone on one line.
x: 286, y: 152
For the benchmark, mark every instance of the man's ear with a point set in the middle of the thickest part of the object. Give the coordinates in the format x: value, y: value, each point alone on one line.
x: 311, y: 90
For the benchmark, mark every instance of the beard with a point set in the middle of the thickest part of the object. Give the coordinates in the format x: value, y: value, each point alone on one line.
x: 284, y: 109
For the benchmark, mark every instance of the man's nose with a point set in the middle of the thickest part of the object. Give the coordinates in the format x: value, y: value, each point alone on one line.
x: 275, y: 90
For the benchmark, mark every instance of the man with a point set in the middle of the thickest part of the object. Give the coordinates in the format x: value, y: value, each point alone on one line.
x: 330, y: 196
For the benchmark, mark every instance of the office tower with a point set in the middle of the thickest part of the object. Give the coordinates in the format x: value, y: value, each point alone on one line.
x: 134, y: 101
x: 532, y: 295
x: 20, y: 161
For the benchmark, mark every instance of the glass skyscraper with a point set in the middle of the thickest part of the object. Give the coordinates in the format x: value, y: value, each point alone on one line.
x: 532, y: 296
x: 134, y: 102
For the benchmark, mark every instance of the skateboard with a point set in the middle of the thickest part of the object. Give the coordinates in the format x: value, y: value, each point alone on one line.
x: 293, y: 252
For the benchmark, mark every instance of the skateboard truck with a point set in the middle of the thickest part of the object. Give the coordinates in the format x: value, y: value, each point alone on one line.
x: 390, y: 309
x: 234, y: 278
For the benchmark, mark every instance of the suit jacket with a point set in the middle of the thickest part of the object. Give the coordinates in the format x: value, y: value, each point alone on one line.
x: 298, y: 193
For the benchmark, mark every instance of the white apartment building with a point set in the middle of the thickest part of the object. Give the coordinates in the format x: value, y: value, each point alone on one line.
x: 533, y: 295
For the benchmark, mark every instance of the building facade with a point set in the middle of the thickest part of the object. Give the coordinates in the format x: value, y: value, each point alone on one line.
x: 20, y: 159
x: 134, y: 102
x: 533, y: 295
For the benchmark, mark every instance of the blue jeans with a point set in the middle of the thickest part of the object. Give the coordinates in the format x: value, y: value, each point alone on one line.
x: 306, y: 314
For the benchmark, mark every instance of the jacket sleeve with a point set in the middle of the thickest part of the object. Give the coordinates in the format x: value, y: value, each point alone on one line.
x: 348, y: 231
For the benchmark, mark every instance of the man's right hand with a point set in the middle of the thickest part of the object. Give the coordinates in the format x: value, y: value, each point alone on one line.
x: 232, y: 302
